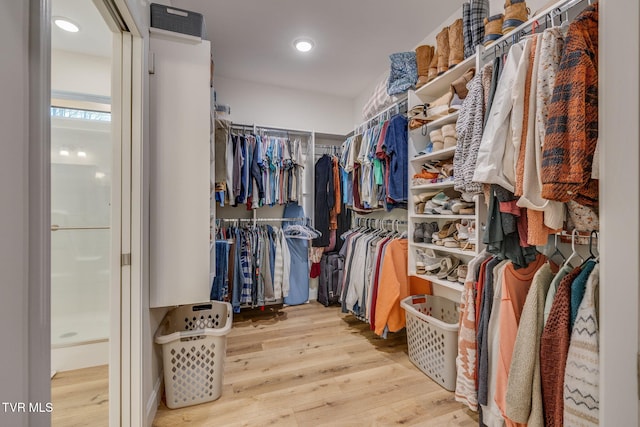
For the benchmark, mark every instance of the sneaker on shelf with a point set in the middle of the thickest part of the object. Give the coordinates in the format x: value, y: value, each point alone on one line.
x: 458, y: 204
x: 431, y: 261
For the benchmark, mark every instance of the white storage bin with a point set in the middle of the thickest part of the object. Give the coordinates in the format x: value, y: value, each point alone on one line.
x: 432, y: 336
x: 194, y: 343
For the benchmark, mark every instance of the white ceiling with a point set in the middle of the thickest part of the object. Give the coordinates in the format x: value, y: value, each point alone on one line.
x: 253, y: 39
x: 94, y: 37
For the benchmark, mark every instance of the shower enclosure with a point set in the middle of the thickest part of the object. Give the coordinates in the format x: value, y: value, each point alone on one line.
x: 81, y: 152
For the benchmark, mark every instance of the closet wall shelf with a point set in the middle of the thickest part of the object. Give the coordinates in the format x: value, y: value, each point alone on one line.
x: 456, y: 251
x: 436, y: 155
x: 451, y: 118
x: 436, y: 185
x: 437, y: 216
x: 440, y: 85
x: 456, y: 286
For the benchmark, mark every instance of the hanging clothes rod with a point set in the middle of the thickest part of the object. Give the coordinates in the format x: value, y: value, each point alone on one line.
x: 326, y: 149
x: 541, y: 21
x: 268, y: 129
x: 378, y: 223
x: 238, y: 220
x: 400, y: 107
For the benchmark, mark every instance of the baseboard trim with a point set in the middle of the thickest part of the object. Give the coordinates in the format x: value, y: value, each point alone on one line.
x: 154, y: 400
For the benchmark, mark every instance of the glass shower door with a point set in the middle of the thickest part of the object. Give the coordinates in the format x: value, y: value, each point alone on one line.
x: 81, y: 147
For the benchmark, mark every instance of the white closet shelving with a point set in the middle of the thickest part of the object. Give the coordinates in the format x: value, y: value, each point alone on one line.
x: 418, y: 141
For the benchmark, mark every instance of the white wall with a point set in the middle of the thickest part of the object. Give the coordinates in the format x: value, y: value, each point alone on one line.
x: 495, y: 6
x: 14, y: 210
x: 24, y: 372
x: 86, y: 74
x: 151, y: 363
x: 269, y: 105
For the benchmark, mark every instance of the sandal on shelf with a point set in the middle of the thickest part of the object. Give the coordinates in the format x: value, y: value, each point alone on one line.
x: 450, y: 242
x: 420, y: 268
x: 448, y: 265
x: 453, y: 276
x: 462, y: 273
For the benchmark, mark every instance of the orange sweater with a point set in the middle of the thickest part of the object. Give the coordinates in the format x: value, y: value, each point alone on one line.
x: 393, y: 287
x: 515, y: 286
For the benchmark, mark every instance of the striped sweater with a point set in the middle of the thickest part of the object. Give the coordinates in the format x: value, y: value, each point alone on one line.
x: 581, y: 377
x: 572, y: 125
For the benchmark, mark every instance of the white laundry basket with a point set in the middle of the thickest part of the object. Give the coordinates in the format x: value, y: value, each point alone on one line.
x: 432, y: 336
x: 194, y: 342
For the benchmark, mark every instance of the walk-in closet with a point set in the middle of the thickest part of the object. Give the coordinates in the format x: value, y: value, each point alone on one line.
x: 301, y: 213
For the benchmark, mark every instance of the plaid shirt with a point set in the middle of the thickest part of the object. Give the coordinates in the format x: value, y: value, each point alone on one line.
x: 478, y: 10
x: 572, y: 124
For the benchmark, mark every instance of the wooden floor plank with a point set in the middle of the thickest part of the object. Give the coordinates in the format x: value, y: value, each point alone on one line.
x: 81, y: 398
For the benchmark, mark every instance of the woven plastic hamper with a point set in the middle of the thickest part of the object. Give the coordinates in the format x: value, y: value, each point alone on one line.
x: 194, y: 343
x: 432, y: 336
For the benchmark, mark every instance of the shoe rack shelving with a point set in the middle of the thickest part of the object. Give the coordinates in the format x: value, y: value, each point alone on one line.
x: 418, y: 141
x: 438, y: 86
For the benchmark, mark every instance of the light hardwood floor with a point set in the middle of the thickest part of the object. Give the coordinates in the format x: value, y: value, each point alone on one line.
x: 310, y: 365
x: 81, y: 398
x: 306, y: 365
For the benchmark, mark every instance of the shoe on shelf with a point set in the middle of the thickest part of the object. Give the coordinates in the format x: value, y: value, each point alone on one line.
x: 418, y: 233
x: 493, y: 28
x: 444, y: 209
x: 467, y: 211
x: 458, y: 205
x: 453, y: 275
x: 516, y: 13
x: 429, y: 228
x: 462, y: 273
x: 427, y: 195
x: 424, y: 55
x: 451, y: 242
x: 447, y: 265
x: 437, y: 139
x: 456, y: 43
x: 433, y: 67
x: 431, y: 261
x: 463, y: 230
x: 440, y: 198
x: 442, y: 50
x: 420, y: 268
x: 450, y: 136
x: 420, y: 208
x: 430, y: 207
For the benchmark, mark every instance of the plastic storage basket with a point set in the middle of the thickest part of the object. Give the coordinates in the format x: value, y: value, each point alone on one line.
x: 432, y: 336
x: 194, y: 341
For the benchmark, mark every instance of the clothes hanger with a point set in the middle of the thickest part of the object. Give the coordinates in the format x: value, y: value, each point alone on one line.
x: 592, y: 256
x: 574, y: 253
x: 557, y: 251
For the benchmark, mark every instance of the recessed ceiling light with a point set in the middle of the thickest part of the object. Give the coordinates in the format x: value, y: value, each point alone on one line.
x: 82, y: 154
x: 303, y: 45
x: 100, y: 175
x: 64, y: 152
x: 65, y: 24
